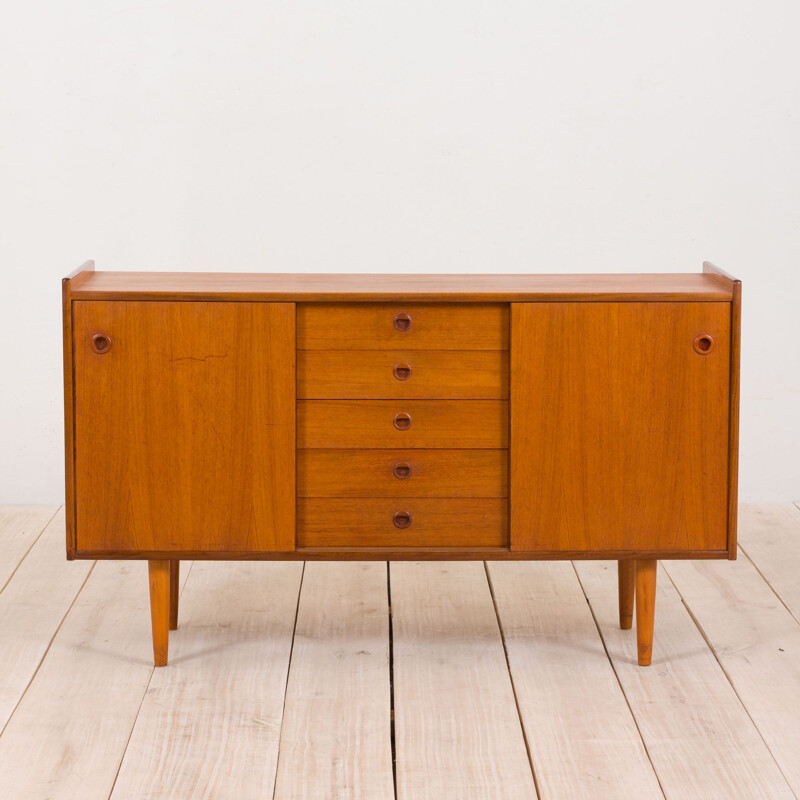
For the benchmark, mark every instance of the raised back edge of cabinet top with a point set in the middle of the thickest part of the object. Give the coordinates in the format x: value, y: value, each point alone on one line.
x: 711, y: 285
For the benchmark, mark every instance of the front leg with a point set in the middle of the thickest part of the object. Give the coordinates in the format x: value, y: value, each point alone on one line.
x: 645, y: 607
x: 159, y: 609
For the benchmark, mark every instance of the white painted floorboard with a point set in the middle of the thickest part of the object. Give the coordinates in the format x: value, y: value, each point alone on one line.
x: 20, y: 527
x: 457, y: 731
x: 32, y: 607
x: 210, y: 722
x: 583, y: 738
x: 336, y: 737
x: 757, y: 642
x: 280, y: 679
x: 699, y: 737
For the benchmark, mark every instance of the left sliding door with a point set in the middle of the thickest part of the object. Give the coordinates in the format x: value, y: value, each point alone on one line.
x: 184, y: 427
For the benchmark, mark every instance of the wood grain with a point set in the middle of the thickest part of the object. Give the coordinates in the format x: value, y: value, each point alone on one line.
x: 699, y: 737
x: 757, y: 642
x: 433, y: 326
x: 331, y: 287
x: 335, y: 738
x: 209, y: 724
x: 369, y: 374
x: 646, y: 418
x: 20, y: 527
x: 367, y: 522
x: 457, y: 731
x: 185, y: 427
x: 582, y: 737
x: 434, y: 423
x: 33, y: 604
x: 432, y: 473
x: 68, y: 735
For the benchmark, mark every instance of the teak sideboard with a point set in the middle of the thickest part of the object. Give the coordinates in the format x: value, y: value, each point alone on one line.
x: 277, y: 416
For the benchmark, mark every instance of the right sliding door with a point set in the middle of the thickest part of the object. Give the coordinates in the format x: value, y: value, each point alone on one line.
x: 619, y: 426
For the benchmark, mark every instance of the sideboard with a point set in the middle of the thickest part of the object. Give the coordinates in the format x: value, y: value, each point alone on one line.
x: 299, y: 416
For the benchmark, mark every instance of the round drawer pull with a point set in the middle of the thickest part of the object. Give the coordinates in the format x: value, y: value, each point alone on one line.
x: 402, y: 322
x: 402, y: 421
x: 402, y: 470
x: 101, y: 343
x: 703, y: 344
x: 402, y: 372
x: 401, y: 519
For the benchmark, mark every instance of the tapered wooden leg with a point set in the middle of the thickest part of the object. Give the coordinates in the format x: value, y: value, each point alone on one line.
x: 174, y: 578
x: 645, y: 608
x: 625, y: 576
x: 159, y: 610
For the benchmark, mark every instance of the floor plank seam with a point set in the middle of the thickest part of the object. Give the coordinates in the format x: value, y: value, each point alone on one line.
x: 728, y: 678
x: 25, y: 555
x: 392, y: 732
x: 764, y: 578
x: 511, y: 679
x: 619, y: 682
x: 141, y: 702
x: 286, y: 684
x: 47, y: 650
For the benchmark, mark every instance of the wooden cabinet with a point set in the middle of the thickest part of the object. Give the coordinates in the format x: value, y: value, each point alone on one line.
x: 387, y: 417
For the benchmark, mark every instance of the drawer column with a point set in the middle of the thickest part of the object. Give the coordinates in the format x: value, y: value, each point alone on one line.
x: 402, y: 426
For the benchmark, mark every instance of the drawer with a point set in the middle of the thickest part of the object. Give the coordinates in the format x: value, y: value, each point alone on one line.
x: 373, y: 424
x: 387, y: 374
x: 378, y: 522
x: 402, y: 326
x: 402, y: 473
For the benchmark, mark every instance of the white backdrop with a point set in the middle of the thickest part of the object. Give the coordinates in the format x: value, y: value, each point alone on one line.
x: 365, y: 136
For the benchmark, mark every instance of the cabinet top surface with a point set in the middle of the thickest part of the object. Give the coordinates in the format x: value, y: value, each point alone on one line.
x: 330, y: 287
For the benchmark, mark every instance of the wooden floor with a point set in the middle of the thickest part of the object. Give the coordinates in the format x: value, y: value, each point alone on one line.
x: 411, y: 680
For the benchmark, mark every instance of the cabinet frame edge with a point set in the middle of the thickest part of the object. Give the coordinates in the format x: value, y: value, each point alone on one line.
x: 735, y: 287
x: 68, y: 284
x: 733, y: 420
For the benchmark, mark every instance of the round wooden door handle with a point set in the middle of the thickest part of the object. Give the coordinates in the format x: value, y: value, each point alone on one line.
x: 401, y: 470
x: 401, y: 519
x: 402, y: 321
x: 703, y: 344
x: 402, y: 421
x: 101, y: 343
x: 402, y: 372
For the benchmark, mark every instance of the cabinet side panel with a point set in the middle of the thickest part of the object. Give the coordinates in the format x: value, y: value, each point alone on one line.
x: 184, y: 426
x: 619, y: 426
x: 733, y: 453
x: 69, y: 418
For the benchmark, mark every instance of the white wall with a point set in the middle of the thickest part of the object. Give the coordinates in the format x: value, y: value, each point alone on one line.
x: 415, y: 136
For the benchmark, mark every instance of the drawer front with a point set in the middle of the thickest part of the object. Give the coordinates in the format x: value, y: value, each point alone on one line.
x: 376, y: 424
x: 402, y: 473
x: 388, y: 374
x: 398, y: 326
x: 397, y: 523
